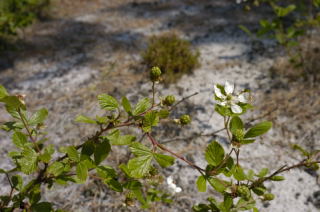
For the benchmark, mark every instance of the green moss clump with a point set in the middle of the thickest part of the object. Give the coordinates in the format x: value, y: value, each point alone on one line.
x: 172, y: 54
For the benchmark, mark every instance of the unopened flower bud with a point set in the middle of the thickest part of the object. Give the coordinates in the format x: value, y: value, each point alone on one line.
x: 268, y: 197
x: 169, y: 100
x: 239, y: 134
x: 185, y: 119
x: 244, y: 192
x: 155, y: 74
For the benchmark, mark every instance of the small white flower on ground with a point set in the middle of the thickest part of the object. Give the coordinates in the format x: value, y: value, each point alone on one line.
x: 173, y: 187
x: 229, y: 99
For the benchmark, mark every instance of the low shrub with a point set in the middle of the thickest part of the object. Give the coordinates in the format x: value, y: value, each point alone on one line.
x: 16, y: 14
x: 172, y: 54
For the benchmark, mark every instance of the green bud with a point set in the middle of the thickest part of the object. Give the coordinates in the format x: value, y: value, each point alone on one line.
x: 155, y: 74
x: 163, y: 114
x: 259, y: 191
x: 244, y: 192
x: 185, y: 119
x: 239, y: 134
x: 277, y: 178
x: 169, y: 100
x: 268, y: 196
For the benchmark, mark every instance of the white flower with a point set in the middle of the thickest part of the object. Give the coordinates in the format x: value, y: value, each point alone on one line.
x: 172, y: 186
x: 229, y: 99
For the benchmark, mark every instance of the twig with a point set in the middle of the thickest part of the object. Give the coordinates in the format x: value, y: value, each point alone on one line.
x: 280, y: 170
x: 154, y: 142
x: 153, y: 93
x: 183, y: 99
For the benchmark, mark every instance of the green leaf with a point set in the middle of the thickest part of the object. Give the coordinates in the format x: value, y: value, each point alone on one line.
x: 106, y: 172
x: 250, y: 174
x: 283, y: 11
x: 227, y: 202
x: 13, y: 102
x: 142, y: 106
x: 38, y: 117
x: 3, y: 92
x: 201, y: 184
x: 85, y: 119
x: 151, y: 119
x: 73, y: 153
x: 13, y: 112
x: 214, y: 153
x: 247, y: 141
x: 87, y: 150
x: 116, y: 139
x: 217, y: 184
x: 108, y: 102
x: 258, y: 129
x: 263, y: 172
x: 139, y: 195
x: 19, y: 139
x: 245, y: 29
x: 223, y: 111
x: 139, y: 166
x: 277, y: 178
x: 132, y: 185
x: 139, y: 149
x: 239, y: 174
x: 123, y: 140
x: 126, y: 105
x: 113, y: 184
x: 17, y: 182
x: 101, y: 151
x: 235, y: 124
x: 56, y: 168
x: 42, y: 207
x: 2, y: 171
x: 28, y: 162
x: 302, y: 151
x: 46, y: 156
x: 164, y: 160
x: 82, y: 171
x: 102, y: 119
x: 124, y: 169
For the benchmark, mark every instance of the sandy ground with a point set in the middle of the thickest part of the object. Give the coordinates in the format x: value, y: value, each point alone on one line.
x: 87, y: 48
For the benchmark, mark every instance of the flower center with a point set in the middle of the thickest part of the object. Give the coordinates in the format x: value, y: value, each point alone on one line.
x: 229, y: 97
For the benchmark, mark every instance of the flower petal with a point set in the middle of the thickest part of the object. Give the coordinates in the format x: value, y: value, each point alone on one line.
x: 169, y: 180
x: 221, y: 103
x: 228, y: 88
x: 243, y: 98
x: 236, y: 108
x: 178, y: 189
x: 218, y: 93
